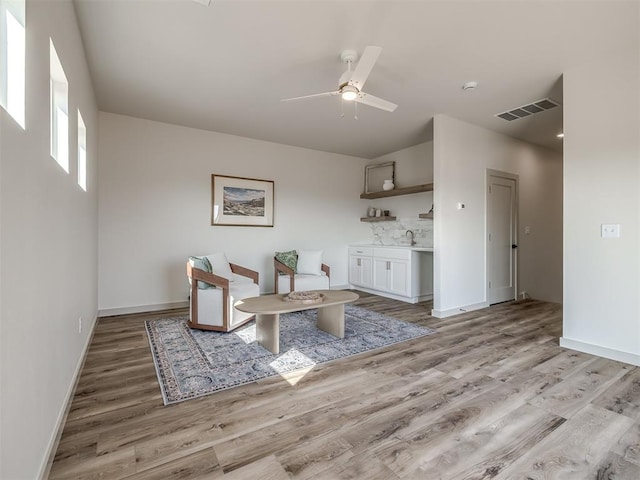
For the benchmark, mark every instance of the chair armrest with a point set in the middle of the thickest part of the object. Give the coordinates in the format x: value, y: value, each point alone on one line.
x: 245, y: 272
x: 281, y: 267
x: 326, y: 269
x: 196, y: 274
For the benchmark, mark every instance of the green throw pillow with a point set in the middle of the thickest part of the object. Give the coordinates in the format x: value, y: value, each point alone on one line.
x: 202, y: 263
x: 290, y: 259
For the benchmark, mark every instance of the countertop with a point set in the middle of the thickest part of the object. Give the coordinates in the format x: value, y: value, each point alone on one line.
x: 404, y: 247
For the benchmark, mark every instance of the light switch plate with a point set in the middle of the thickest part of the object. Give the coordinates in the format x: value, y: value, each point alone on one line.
x: 610, y: 230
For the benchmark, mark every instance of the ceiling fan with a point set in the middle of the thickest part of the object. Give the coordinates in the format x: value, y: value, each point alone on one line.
x: 351, y: 82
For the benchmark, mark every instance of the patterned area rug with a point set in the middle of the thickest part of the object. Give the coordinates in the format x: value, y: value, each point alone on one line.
x: 191, y: 363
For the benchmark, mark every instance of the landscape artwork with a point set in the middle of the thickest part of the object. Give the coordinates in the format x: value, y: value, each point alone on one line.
x: 241, y: 202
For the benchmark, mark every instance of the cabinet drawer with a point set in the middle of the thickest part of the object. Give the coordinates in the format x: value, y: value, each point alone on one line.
x: 361, y: 251
x: 399, y: 253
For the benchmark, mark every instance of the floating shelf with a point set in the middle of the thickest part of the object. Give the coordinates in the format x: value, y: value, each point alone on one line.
x: 378, y: 219
x: 427, y: 187
x: 425, y: 215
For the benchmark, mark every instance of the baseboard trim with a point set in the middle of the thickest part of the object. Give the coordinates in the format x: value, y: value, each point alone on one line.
x: 52, y: 448
x: 109, y: 312
x: 459, y: 310
x: 611, y: 354
x: 421, y: 298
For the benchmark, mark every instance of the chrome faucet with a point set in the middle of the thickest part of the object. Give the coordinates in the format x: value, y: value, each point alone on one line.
x: 410, y: 235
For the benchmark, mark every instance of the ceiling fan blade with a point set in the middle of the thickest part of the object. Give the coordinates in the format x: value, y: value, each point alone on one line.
x: 325, y: 94
x: 376, y: 102
x: 363, y: 69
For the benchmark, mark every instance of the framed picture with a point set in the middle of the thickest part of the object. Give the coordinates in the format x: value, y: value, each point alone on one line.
x: 375, y: 175
x: 243, y: 202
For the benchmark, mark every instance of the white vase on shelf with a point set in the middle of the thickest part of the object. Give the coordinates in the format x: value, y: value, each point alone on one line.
x: 387, y: 185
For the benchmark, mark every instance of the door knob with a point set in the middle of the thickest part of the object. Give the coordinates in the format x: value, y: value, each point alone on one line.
x: 514, y: 246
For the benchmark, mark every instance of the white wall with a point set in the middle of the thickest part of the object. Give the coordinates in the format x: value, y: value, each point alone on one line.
x: 602, y: 185
x: 48, y: 249
x: 155, y: 207
x: 462, y: 154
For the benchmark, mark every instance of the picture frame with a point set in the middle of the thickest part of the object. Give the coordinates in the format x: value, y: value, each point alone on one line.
x: 241, y: 202
x: 376, y: 174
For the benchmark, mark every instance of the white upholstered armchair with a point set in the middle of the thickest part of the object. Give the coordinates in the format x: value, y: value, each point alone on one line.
x: 305, y: 271
x: 216, y: 285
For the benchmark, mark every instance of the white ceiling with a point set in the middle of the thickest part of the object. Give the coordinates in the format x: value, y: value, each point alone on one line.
x: 225, y: 67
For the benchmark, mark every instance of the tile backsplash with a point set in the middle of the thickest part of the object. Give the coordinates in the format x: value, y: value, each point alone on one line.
x: 395, y: 232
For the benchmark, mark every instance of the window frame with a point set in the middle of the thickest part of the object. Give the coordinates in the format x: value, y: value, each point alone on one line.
x: 82, y: 152
x: 59, y: 109
x: 13, y: 59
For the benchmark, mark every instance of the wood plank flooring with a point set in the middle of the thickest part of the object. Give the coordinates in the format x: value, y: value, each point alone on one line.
x: 491, y: 395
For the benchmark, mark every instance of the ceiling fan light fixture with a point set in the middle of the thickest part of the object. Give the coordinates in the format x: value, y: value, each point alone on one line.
x: 349, y: 93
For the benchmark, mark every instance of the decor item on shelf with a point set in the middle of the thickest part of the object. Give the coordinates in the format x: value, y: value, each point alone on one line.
x: 371, y: 212
x: 386, y: 213
x: 378, y: 213
x: 243, y: 202
x: 388, y: 185
x: 375, y: 176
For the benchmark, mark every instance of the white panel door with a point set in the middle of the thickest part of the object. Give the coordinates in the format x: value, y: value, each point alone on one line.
x: 502, y: 229
x: 355, y: 271
x: 366, y: 271
x: 399, y: 277
x: 381, y: 274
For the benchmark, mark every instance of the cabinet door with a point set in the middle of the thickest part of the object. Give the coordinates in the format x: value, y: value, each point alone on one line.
x: 381, y: 274
x: 399, y: 277
x: 354, y: 270
x: 366, y: 271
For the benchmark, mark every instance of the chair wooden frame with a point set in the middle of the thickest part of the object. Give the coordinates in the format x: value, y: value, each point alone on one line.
x: 196, y: 274
x: 281, y: 267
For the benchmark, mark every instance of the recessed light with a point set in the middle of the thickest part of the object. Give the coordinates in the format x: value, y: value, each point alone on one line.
x: 560, y: 135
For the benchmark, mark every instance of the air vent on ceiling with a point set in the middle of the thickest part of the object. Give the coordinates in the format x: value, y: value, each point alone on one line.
x: 530, y: 109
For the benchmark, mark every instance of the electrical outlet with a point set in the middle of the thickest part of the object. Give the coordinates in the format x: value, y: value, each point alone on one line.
x: 610, y: 230
x: 527, y: 230
x: 80, y: 325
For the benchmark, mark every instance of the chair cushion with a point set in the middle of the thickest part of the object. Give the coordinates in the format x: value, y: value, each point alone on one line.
x: 220, y: 266
x: 290, y: 259
x: 304, y: 282
x: 210, y: 303
x: 309, y: 262
x: 201, y: 263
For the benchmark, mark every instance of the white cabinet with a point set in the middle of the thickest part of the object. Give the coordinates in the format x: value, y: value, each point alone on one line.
x: 360, y: 270
x: 401, y: 273
x: 391, y: 275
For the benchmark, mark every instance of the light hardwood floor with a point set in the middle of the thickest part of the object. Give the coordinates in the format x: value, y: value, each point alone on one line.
x: 490, y: 395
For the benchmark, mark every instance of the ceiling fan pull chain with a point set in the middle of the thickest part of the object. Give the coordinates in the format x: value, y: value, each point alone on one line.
x: 341, y: 107
x: 355, y: 109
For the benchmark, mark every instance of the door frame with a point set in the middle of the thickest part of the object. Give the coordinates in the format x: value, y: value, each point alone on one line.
x: 488, y: 270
